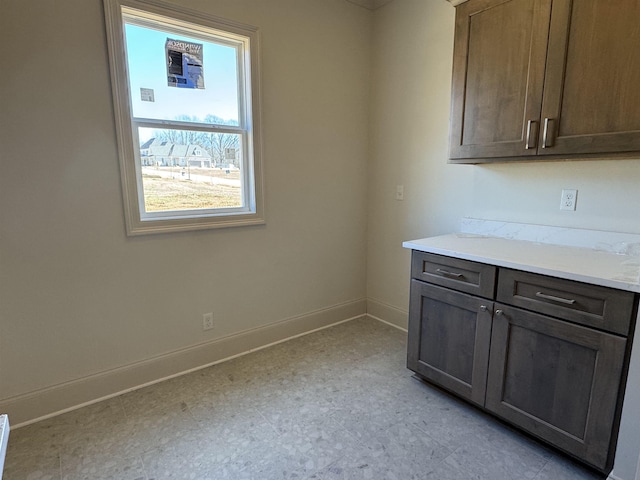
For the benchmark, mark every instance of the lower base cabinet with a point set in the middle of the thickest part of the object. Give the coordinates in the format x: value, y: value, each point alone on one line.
x: 454, y: 332
x: 559, y: 380
x: 556, y: 380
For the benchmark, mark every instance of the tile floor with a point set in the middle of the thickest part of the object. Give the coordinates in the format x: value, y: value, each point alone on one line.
x: 335, y: 404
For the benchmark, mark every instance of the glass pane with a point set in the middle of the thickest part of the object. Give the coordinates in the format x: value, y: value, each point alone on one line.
x: 187, y: 170
x: 173, y: 77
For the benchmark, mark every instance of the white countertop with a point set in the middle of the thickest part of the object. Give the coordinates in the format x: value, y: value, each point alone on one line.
x: 582, y: 264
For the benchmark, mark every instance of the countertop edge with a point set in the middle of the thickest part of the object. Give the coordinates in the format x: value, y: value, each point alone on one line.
x: 523, y: 266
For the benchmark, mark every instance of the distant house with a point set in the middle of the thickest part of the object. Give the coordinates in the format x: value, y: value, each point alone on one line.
x: 155, y: 152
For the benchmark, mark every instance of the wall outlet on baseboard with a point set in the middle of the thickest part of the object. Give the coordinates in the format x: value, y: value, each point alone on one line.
x: 207, y: 321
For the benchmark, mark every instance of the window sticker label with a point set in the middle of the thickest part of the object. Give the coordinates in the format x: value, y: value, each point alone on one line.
x: 184, y: 64
x: 146, y: 95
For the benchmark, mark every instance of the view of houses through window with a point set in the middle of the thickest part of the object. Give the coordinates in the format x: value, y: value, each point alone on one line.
x: 185, y: 169
x: 180, y: 81
x: 187, y: 117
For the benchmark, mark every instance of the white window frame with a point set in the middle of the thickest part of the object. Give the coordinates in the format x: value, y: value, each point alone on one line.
x: 139, y: 222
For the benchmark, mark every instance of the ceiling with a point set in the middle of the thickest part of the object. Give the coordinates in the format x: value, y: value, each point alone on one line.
x: 370, y: 4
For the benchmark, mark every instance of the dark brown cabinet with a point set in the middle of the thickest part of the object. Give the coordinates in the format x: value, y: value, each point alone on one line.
x: 556, y: 380
x: 544, y: 78
x: 454, y: 331
x: 545, y: 354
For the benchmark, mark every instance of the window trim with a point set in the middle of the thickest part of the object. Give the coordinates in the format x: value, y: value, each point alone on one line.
x: 250, y: 88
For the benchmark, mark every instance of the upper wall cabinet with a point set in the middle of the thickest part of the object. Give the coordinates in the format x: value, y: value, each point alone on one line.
x: 544, y: 78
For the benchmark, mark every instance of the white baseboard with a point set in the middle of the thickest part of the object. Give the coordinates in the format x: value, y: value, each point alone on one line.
x: 4, y: 440
x: 56, y: 399
x: 388, y: 314
x: 637, y: 474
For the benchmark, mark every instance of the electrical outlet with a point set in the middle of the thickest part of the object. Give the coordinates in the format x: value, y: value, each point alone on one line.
x: 399, y: 192
x: 207, y: 321
x: 568, y: 199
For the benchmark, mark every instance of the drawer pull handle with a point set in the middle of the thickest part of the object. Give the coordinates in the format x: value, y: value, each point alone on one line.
x: 449, y: 274
x: 553, y: 298
x: 529, y: 144
x: 545, y: 134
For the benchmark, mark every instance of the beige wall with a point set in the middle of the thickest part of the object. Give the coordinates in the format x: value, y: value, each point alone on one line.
x: 608, y: 193
x: 413, y: 46
x: 78, y: 297
x: 412, y: 58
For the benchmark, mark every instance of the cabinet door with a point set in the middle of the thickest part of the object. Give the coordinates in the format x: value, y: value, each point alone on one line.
x: 557, y: 380
x: 498, y: 74
x: 591, y: 97
x: 449, y: 335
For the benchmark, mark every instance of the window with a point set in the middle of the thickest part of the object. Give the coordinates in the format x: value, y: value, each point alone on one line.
x: 185, y: 91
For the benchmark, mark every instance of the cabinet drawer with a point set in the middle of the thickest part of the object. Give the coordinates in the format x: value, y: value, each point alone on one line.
x: 462, y: 275
x: 599, y: 307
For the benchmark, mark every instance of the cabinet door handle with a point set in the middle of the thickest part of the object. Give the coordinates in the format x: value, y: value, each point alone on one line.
x: 499, y: 312
x: 483, y: 308
x: 553, y: 298
x: 545, y: 133
x: 528, y: 144
x: 449, y: 274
